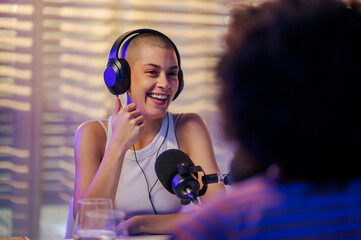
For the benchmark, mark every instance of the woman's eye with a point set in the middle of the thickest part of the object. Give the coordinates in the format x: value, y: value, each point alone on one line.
x: 173, y: 74
x: 152, y: 72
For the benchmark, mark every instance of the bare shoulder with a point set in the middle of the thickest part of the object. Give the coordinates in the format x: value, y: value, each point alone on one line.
x: 190, y: 129
x: 92, y: 127
x: 190, y: 121
x: 91, y: 138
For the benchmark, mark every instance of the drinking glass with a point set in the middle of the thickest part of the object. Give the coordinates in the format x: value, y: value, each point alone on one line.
x: 95, y: 220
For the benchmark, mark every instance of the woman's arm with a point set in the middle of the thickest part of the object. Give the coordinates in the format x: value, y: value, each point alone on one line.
x: 151, y: 224
x: 194, y: 139
x: 94, y: 174
x: 97, y: 174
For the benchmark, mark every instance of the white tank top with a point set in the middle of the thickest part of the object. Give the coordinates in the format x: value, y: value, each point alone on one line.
x: 132, y: 192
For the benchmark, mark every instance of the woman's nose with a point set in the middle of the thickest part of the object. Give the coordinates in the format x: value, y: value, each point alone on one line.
x: 163, y: 81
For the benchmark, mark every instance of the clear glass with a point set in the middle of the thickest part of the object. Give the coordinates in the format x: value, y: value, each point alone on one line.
x: 95, y: 220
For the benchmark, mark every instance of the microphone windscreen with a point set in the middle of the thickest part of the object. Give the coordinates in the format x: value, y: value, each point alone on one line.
x: 166, y: 166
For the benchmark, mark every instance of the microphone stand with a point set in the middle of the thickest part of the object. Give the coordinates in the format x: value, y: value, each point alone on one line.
x: 186, y: 186
x: 224, y: 178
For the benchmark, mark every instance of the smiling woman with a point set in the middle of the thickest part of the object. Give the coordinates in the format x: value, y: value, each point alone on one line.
x: 52, y: 54
x: 118, y: 163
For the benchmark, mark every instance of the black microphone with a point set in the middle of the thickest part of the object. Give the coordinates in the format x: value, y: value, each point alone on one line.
x: 177, y: 173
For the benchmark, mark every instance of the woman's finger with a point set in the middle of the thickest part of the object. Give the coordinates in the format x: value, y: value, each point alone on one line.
x: 117, y: 107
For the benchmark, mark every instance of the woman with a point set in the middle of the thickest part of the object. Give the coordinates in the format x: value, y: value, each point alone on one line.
x: 115, y: 159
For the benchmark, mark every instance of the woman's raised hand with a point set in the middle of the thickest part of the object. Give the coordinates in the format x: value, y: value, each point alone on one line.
x: 127, y: 124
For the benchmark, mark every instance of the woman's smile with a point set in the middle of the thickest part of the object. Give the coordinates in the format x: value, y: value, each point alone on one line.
x: 159, y: 99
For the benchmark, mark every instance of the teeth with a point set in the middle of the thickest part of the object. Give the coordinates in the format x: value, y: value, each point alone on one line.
x: 160, y: 97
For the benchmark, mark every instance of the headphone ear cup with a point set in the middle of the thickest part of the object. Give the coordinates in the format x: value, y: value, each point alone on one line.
x: 180, y: 85
x: 117, y: 76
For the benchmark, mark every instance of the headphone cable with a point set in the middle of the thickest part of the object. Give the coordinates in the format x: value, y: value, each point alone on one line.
x: 145, y: 176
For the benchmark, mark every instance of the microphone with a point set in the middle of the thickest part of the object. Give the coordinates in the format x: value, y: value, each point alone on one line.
x: 177, y: 173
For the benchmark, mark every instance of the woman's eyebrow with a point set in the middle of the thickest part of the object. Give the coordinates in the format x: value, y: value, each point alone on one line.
x: 152, y: 65
x: 174, y: 67
x: 158, y: 67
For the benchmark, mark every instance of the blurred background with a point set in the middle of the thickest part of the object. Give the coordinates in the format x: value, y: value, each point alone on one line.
x: 52, y: 57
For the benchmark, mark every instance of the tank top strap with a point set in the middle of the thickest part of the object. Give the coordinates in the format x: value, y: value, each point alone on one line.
x: 109, y: 131
x: 177, y: 118
x: 103, y: 125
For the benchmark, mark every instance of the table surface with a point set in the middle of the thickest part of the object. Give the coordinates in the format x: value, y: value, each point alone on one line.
x: 141, y: 237
x: 148, y: 237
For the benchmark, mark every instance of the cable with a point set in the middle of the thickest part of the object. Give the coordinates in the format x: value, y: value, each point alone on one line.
x: 145, y: 176
x: 146, y: 180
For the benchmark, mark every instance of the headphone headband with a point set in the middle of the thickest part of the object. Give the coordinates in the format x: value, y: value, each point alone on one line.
x: 117, y: 72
